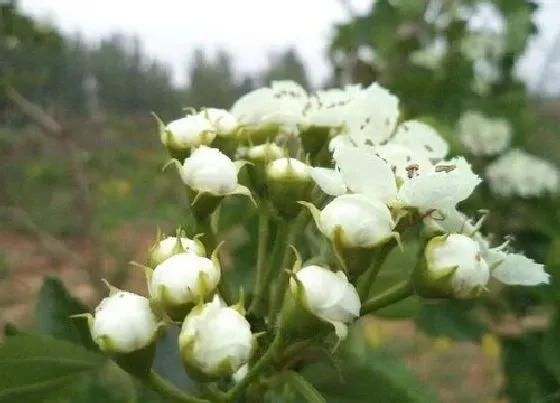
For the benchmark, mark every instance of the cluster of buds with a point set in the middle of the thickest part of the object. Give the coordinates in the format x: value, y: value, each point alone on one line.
x: 341, y: 158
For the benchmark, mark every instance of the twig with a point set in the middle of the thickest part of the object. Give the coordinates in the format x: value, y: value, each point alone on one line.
x: 52, y: 128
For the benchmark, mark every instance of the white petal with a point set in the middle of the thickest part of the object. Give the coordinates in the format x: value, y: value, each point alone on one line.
x: 421, y: 138
x: 366, y: 173
x: 372, y: 116
x: 329, y: 180
x: 440, y: 190
x: 517, y: 269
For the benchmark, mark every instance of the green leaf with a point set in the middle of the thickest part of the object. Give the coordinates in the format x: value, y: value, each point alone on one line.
x: 302, y: 385
x: 39, y: 368
x: 527, y: 379
x: 54, y: 308
x: 362, y: 372
x: 452, y: 319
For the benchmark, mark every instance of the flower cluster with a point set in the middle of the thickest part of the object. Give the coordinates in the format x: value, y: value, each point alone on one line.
x: 341, y: 157
x: 481, y: 135
x: 514, y: 172
x: 517, y: 173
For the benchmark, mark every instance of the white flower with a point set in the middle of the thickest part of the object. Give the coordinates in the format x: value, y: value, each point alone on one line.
x: 327, y: 108
x: 123, y: 323
x: 329, y: 180
x: 183, y: 280
x: 484, y: 136
x: 215, y: 340
x: 514, y: 268
x: 328, y: 295
x: 425, y: 187
x: 421, y: 139
x: 360, y: 222
x: 517, y: 173
x: 371, y: 116
x: 223, y: 122
x: 282, y: 103
x: 209, y: 170
x: 187, y: 132
x: 459, y: 257
x: 172, y: 245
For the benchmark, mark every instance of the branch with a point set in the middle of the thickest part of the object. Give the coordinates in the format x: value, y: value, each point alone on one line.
x: 47, y: 123
x: 54, y: 246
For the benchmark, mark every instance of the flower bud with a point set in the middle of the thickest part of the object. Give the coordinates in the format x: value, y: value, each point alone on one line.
x: 223, y: 122
x: 215, y: 341
x: 169, y: 246
x: 183, y: 280
x: 183, y: 134
x: 453, y: 268
x: 260, y: 156
x: 326, y: 295
x: 123, y: 323
x: 126, y: 327
x: 358, y: 221
x: 210, y: 175
x: 225, y: 125
x: 288, y: 182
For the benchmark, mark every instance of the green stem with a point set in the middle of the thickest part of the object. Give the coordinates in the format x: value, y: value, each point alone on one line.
x: 167, y: 390
x: 393, y: 295
x: 213, y: 393
x: 260, y: 279
x: 266, y: 359
x: 369, y: 277
x: 295, y: 227
x: 204, y: 226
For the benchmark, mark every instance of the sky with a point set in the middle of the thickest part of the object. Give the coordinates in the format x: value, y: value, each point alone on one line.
x: 249, y: 29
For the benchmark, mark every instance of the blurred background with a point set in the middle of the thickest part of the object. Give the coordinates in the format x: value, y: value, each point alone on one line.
x: 81, y: 188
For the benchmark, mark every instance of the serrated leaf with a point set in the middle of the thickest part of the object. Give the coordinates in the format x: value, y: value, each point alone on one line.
x: 38, y: 368
x: 54, y: 308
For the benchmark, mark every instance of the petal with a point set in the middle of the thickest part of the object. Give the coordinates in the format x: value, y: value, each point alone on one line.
x: 440, y: 190
x: 371, y: 116
x: 516, y: 269
x: 329, y: 180
x: 366, y: 173
x: 421, y: 138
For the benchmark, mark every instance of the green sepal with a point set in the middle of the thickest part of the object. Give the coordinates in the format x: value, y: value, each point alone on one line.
x: 258, y: 134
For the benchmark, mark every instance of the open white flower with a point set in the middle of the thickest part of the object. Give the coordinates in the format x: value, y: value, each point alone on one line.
x: 183, y: 280
x: 282, y: 103
x: 124, y: 322
x: 208, y: 170
x: 215, y: 340
x: 482, y: 135
x: 371, y: 116
x: 187, y: 132
x: 328, y: 295
x: 355, y: 221
x: 427, y: 187
x: 421, y: 138
x: 455, y: 265
x: 513, y: 268
x: 517, y: 173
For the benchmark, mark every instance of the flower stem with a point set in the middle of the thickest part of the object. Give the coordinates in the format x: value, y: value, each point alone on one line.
x: 167, y: 390
x: 266, y: 359
x: 294, y: 230
x: 368, y: 279
x: 261, y: 275
x: 393, y: 295
x: 204, y: 226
